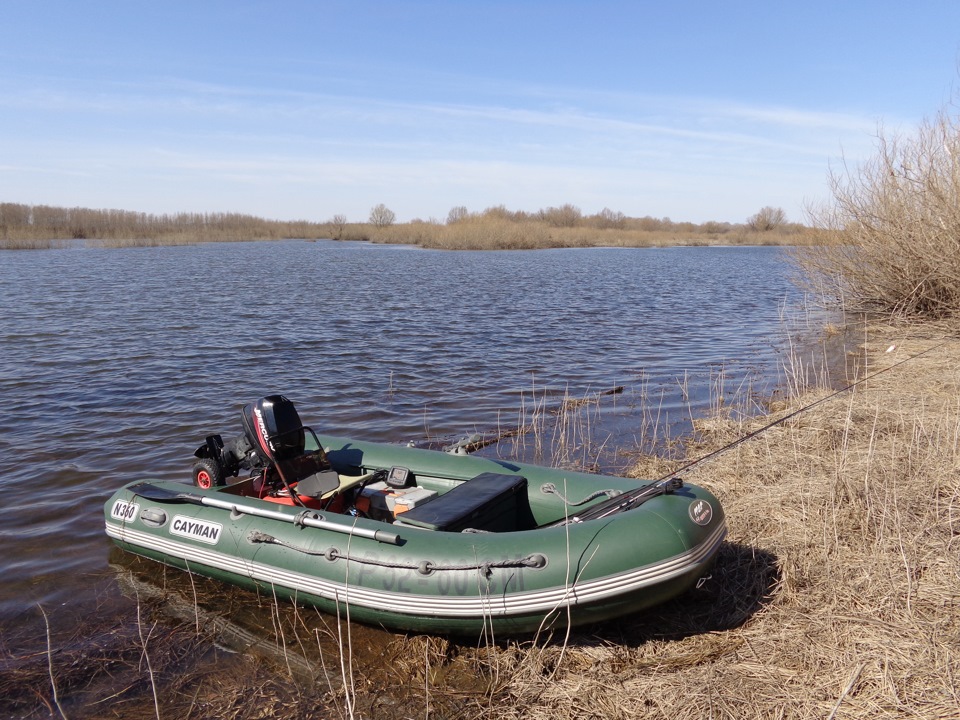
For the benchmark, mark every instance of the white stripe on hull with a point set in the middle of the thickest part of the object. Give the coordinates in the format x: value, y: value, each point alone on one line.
x: 502, y: 605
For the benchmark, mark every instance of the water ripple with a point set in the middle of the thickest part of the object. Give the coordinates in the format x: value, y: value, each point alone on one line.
x: 116, y: 363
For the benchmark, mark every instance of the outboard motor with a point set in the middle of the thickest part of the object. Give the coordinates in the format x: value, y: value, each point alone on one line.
x: 274, y: 448
x: 272, y: 431
x: 273, y: 427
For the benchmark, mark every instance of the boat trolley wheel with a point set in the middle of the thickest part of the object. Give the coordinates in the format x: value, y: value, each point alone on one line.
x: 207, y: 473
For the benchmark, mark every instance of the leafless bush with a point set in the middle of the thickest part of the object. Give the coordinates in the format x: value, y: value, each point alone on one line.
x: 457, y: 214
x: 500, y: 212
x: 493, y: 233
x: 892, y: 233
x: 607, y: 219
x: 652, y: 224
x: 713, y: 227
x: 42, y: 226
x: 768, y: 218
x: 382, y: 216
x: 338, y: 223
x: 564, y: 216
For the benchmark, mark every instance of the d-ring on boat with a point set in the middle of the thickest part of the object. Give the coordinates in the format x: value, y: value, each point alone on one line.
x: 419, y: 540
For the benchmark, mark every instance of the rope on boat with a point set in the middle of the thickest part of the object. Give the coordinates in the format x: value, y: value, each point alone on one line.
x: 550, y: 488
x: 424, y: 567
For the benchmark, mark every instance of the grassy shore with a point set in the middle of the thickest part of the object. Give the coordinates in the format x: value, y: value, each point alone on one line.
x: 834, y: 597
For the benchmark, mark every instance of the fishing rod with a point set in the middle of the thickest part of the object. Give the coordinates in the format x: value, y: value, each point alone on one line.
x: 671, y: 481
x: 730, y: 446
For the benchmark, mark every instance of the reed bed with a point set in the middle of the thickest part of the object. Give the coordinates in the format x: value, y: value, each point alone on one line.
x: 486, y: 233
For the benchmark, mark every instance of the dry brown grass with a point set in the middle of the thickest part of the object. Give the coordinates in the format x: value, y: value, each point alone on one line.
x: 851, y: 511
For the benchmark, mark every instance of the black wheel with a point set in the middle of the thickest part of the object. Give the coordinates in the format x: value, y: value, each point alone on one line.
x: 207, y: 473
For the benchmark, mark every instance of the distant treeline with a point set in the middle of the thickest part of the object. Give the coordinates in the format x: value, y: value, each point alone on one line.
x: 36, y: 225
x: 41, y: 226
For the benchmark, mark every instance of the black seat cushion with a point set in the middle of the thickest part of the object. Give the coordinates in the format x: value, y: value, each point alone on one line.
x: 490, y: 501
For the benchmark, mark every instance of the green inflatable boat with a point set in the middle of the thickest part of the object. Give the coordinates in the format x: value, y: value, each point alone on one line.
x: 419, y: 540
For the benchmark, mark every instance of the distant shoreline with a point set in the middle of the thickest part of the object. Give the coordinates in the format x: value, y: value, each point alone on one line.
x: 598, y: 242
x: 24, y: 227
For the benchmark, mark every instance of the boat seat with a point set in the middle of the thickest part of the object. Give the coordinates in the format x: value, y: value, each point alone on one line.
x: 490, y: 501
x: 311, y: 473
x: 319, y: 484
x: 345, y: 482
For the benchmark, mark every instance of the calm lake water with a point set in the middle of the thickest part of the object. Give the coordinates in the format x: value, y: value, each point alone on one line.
x: 117, y: 362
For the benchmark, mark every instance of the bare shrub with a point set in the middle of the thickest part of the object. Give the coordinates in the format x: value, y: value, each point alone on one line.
x: 382, y: 216
x: 652, y: 224
x: 457, y: 214
x: 892, y: 233
x: 768, y: 218
x: 338, y: 223
x: 500, y: 212
x: 493, y: 233
x: 607, y: 219
x: 712, y: 227
x: 564, y: 216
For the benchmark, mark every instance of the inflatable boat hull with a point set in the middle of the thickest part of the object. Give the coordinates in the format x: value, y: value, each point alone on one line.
x: 547, y: 570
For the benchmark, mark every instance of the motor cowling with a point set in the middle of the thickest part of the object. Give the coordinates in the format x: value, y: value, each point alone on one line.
x: 273, y: 427
x: 273, y: 435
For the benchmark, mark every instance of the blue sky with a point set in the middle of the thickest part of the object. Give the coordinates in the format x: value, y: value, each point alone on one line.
x: 301, y: 110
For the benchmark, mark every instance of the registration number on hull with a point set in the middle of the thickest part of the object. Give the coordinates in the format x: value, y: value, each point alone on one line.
x: 124, y: 511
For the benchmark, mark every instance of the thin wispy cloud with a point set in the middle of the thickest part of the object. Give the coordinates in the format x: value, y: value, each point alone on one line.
x: 423, y: 110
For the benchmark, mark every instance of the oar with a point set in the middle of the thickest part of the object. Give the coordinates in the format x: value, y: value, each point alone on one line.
x: 315, y: 520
